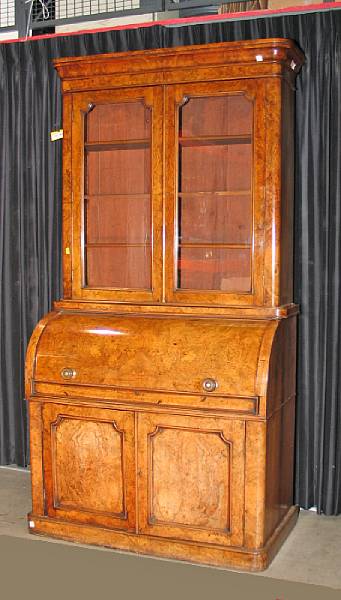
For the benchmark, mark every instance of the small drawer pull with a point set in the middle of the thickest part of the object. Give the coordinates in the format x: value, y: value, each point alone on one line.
x: 209, y: 385
x: 68, y: 373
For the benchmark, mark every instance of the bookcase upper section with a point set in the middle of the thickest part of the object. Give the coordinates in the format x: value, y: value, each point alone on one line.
x: 178, y: 175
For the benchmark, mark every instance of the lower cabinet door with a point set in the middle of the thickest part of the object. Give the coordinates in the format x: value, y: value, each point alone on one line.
x: 191, y: 478
x: 89, y: 465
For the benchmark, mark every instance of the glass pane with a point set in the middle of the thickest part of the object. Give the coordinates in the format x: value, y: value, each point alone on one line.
x: 216, y: 168
x: 104, y: 264
x: 214, y: 223
x: 121, y: 121
x: 215, y: 218
x: 224, y: 115
x: 119, y: 171
x: 210, y: 268
x: 133, y: 226
x: 117, y: 200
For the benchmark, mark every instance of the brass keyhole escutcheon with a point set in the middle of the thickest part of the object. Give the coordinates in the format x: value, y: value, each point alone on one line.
x: 209, y: 385
x: 68, y: 373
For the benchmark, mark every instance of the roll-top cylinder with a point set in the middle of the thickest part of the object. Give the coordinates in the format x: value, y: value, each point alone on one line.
x: 193, y: 355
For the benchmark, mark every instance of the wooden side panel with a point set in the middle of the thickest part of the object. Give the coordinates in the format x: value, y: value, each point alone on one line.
x: 255, y: 478
x: 279, y: 466
x: 286, y: 487
x: 282, y: 367
x: 89, y: 465
x: 31, y: 352
x: 272, y: 192
x: 36, y: 457
x: 191, y: 478
x: 280, y: 426
x: 287, y: 197
x: 279, y: 192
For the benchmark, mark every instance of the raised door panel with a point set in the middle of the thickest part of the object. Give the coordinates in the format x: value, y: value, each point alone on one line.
x: 89, y: 465
x: 116, y: 226
x: 191, y: 478
x: 215, y: 193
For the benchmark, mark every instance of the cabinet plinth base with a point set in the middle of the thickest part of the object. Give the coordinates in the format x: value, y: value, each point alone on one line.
x: 234, y: 558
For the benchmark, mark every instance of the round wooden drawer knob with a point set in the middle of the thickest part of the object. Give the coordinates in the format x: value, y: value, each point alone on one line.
x: 209, y: 385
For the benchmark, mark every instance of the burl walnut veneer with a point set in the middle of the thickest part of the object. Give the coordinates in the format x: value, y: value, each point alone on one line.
x: 161, y: 388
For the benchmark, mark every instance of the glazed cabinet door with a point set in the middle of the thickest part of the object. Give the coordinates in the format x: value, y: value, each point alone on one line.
x: 215, y: 182
x: 89, y: 465
x: 191, y: 478
x: 115, y: 218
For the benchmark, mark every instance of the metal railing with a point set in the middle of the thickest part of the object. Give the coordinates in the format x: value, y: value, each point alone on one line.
x: 43, y: 15
x: 58, y: 12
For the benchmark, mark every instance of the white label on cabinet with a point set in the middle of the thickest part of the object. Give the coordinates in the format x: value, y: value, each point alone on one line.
x: 56, y: 135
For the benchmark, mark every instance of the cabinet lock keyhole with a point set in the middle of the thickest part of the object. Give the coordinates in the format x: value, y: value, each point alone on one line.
x: 209, y: 385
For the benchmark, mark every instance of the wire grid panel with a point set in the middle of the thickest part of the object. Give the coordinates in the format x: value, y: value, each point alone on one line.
x: 7, y: 13
x: 48, y: 10
x: 183, y: 4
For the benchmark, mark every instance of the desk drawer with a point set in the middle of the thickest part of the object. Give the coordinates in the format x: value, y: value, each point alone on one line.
x: 142, y: 399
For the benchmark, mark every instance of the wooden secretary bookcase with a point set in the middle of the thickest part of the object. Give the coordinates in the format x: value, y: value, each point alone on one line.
x: 162, y: 386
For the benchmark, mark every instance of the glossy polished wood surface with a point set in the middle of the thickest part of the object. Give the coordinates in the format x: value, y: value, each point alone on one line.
x: 89, y: 462
x: 153, y: 353
x: 177, y: 435
x: 191, y: 478
x: 161, y: 387
x: 206, y: 62
x: 252, y: 271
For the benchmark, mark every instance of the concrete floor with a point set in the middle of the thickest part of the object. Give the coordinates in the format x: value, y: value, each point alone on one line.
x: 311, y: 554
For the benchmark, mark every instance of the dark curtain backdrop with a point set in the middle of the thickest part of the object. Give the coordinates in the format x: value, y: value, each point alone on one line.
x: 30, y: 205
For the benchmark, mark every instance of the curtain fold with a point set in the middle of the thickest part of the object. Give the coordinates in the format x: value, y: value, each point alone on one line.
x: 30, y: 223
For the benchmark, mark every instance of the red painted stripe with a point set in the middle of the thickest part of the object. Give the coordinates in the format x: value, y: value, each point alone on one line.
x: 190, y: 20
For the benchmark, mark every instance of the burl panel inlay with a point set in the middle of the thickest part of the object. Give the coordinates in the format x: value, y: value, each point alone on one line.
x: 86, y: 456
x: 89, y: 456
x: 190, y: 478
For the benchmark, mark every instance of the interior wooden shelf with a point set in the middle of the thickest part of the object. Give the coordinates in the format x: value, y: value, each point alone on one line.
x: 118, y: 244
x: 115, y: 196
x: 213, y: 245
x: 212, y: 140
x: 118, y: 145
x: 214, y: 193
x: 143, y: 196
